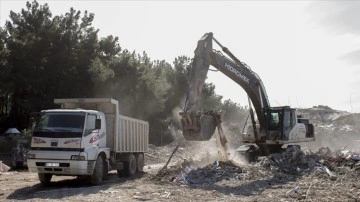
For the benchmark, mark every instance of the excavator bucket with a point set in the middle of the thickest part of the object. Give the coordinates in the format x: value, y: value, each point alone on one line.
x: 196, y: 125
x: 199, y: 126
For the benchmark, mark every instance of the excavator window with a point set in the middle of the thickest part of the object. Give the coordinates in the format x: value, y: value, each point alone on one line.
x: 293, y: 118
x: 287, y: 119
x: 274, y: 122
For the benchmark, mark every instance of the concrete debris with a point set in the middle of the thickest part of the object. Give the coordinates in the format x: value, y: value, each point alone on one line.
x: 166, y: 194
x: 192, y: 174
x: 357, y: 166
x: 141, y: 198
x: 107, y: 192
x: 212, y: 173
x: 294, y: 193
x: 291, y: 162
x: 331, y: 174
x: 325, y: 151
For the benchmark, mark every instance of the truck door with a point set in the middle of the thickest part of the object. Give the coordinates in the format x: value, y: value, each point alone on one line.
x: 91, y: 135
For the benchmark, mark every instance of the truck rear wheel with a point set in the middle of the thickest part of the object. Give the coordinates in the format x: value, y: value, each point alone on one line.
x: 130, y: 166
x: 44, y: 178
x: 98, y: 173
x: 140, y: 162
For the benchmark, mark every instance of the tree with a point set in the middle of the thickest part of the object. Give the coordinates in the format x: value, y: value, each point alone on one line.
x: 28, y: 44
x: 44, y: 57
x: 5, y: 82
x: 54, y: 58
x: 233, y: 112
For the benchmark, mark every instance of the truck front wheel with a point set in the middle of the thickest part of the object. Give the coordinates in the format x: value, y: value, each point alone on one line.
x: 44, y: 178
x: 98, y: 173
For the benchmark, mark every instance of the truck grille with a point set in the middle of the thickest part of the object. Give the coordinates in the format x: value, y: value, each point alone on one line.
x: 57, y: 149
x: 60, y: 165
x: 53, y: 169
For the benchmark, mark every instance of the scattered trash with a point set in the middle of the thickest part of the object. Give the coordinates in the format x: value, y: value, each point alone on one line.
x: 294, y: 193
x: 141, y: 198
x: 331, y: 174
x: 216, y: 163
x: 107, y: 192
x: 293, y: 161
x: 355, y: 157
x: 166, y: 195
x: 215, y: 172
x: 3, y: 167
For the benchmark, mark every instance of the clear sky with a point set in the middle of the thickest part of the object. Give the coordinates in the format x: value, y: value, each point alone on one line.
x: 306, y: 53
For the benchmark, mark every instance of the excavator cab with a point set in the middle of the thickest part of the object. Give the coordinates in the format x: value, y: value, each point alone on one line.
x: 280, y: 121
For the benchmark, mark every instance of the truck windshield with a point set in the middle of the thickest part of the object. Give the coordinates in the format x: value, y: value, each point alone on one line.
x: 61, y: 122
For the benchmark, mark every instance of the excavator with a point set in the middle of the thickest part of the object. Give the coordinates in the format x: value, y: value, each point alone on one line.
x: 273, y: 127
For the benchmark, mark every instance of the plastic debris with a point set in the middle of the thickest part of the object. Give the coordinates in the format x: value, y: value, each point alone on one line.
x: 216, y: 163
x: 4, y: 167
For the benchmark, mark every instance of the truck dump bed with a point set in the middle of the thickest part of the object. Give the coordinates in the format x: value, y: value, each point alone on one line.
x: 133, y: 135
x: 124, y: 134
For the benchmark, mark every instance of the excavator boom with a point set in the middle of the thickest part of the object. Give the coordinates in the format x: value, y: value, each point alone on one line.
x: 200, y: 125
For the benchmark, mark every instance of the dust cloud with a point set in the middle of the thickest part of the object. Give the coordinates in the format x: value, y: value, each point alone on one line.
x: 334, y: 140
x: 208, y: 152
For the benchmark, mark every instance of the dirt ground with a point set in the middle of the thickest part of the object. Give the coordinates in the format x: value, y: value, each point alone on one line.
x: 206, y: 182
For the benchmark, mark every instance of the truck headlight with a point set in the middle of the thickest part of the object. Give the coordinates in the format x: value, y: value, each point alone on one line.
x: 77, y: 157
x: 31, y: 156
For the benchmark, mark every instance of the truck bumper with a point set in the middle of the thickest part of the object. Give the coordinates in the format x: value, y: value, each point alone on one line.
x: 61, y: 167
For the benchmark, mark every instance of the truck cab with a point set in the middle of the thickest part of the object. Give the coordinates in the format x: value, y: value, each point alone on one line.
x: 74, y: 136
x: 87, y: 137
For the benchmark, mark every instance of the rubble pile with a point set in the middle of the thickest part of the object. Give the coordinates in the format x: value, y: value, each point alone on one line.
x: 189, y: 173
x: 211, y: 173
x: 293, y: 161
x: 168, y: 174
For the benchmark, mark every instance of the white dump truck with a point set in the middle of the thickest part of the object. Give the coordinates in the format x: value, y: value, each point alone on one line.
x: 87, y: 137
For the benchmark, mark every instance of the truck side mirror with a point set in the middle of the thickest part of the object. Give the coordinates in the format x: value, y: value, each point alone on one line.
x: 31, y: 122
x: 34, y: 118
x: 97, y: 124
